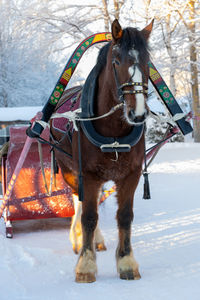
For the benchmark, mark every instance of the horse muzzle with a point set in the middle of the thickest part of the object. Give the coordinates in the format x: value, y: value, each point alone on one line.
x: 136, y: 120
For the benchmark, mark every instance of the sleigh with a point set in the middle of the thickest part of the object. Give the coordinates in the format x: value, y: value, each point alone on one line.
x: 32, y: 188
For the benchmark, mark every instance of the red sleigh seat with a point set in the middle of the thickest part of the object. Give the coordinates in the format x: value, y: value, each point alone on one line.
x: 29, y: 199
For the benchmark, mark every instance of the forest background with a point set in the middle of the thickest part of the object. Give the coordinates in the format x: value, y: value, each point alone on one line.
x: 38, y: 36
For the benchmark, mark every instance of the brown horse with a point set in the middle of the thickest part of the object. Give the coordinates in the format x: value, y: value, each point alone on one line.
x: 112, y: 147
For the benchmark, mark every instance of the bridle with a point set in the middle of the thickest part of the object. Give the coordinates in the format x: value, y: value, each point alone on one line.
x: 120, y: 87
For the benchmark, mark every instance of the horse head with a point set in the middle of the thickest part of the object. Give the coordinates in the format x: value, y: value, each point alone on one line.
x: 130, y: 56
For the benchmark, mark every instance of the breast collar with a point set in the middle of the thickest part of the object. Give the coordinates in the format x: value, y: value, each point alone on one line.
x: 112, y: 144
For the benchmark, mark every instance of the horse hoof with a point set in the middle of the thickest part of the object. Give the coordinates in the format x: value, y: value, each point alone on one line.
x: 85, y: 278
x: 130, y: 275
x: 100, y: 247
x: 77, y: 249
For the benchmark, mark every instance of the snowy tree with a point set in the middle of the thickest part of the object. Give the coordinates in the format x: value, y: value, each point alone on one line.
x: 186, y: 44
x: 38, y: 33
x: 194, y: 45
x: 26, y: 73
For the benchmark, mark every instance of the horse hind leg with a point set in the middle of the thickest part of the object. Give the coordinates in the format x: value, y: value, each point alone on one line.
x: 75, y: 235
x: 99, y: 240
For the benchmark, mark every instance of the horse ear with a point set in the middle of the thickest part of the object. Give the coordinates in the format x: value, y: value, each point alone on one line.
x: 116, y: 30
x: 147, y: 30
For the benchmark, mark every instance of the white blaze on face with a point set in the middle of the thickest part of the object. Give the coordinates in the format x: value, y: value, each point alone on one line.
x: 136, y: 75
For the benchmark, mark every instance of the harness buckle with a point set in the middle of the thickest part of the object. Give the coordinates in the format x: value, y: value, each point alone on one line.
x: 115, y: 147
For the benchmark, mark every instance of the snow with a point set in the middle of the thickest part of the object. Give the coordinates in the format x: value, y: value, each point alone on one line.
x: 24, y: 113
x: 38, y: 263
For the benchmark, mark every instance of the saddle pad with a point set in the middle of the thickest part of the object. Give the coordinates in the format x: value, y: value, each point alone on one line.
x: 70, y: 101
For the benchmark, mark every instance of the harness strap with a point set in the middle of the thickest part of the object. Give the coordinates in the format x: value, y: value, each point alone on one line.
x: 52, y: 173
x: 146, y: 194
x: 173, y: 131
x: 52, y: 177
x: 42, y: 167
x: 80, y: 175
x: 43, y: 141
x: 43, y: 123
x: 133, y: 84
x: 159, y: 146
x: 170, y: 120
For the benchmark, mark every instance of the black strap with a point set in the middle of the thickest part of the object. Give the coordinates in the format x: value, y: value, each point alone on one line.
x: 43, y: 141
x: 80, y: 175
x: 162, y: 141
x: 146, y: 194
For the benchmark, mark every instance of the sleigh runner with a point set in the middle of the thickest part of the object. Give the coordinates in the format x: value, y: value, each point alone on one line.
x: 24, y: 188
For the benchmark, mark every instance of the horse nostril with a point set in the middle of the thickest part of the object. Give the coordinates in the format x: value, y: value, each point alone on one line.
x: 136, y: 119
x: 140, y: 119
x: 131, y: 115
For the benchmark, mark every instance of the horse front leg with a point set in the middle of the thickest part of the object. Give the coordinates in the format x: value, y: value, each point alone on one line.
x: 86, y: 268
x: 127, y: 266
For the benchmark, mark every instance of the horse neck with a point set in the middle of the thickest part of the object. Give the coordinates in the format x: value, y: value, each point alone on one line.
x: 115, y: 124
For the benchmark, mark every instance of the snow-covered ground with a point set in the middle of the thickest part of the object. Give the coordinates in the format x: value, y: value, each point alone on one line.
x: 38, y: 263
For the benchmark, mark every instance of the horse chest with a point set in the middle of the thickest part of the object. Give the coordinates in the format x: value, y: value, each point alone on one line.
x: 115, y: 168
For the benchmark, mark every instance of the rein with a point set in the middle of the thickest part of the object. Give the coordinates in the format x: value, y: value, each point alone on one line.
x: 74, y: 116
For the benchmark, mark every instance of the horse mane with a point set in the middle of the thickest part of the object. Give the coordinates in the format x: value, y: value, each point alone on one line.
x: 102, y: 57
x: 134, y: 39
x: 131, y: 39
